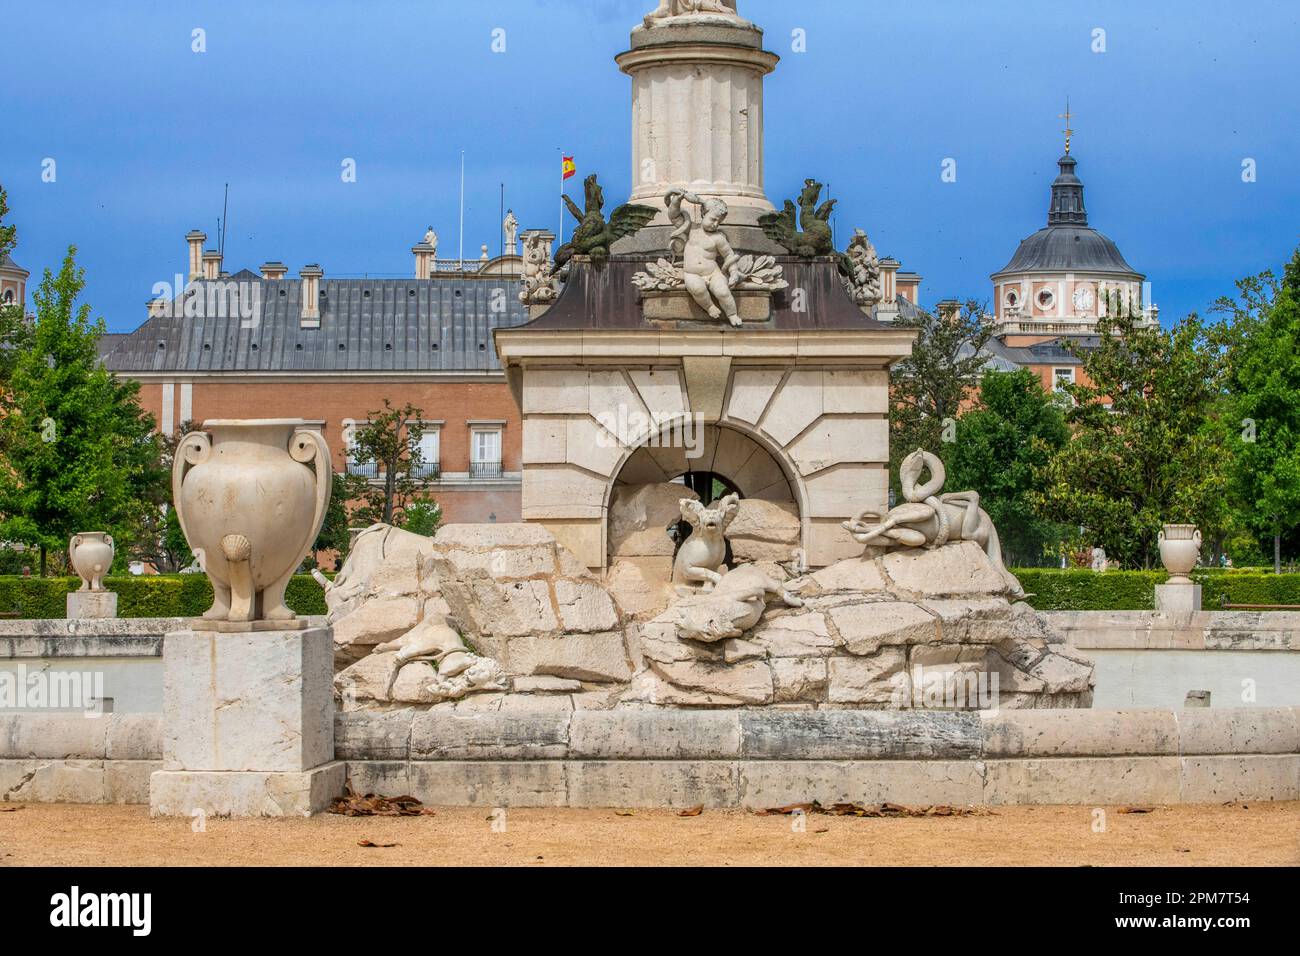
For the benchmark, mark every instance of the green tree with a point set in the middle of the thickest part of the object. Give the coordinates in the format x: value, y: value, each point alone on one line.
x: 15, y: 330
x: 928, y: 387
x: 1148, y: 446
x: 423, y: 517
x: 390, y: 441
x: 335, y: 532
x: 79, y: 454
x: 1001, y: 447
x: 1261, y: 333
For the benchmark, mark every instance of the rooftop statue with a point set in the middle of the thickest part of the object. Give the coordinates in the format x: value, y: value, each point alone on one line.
x: 594, y: 235
x: 539, y: 279
x: 930, y: 519
x: 668, y: 9
x: 510, y: 226
x: 814, y: 220
x: 860, y: 269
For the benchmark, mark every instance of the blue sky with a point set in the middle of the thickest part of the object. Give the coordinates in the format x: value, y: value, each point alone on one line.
x: 145, y: 132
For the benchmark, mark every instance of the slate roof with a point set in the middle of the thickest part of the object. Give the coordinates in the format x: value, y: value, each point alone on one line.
x: 443, y: 324
x: 8, y: 265
x: 604, y: 298
x: 1068, y: 243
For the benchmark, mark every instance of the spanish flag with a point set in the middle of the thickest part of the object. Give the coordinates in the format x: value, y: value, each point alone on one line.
x: 568, y: 167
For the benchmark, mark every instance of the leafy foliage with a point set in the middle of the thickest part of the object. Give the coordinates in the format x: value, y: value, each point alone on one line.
x: 390, y: 440
x: 1149, y: 443
x: 80, y: 455
x: 1001, y: 446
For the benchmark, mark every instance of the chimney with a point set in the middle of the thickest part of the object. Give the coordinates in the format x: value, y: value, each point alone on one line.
x: 948, y: 307
x: 424, y: 256
x: 274, y: 270
x: 311, y: 275
x: 909, y: 286
x: 195, y: 239
x: 888, y: 283
x: 211, y: 265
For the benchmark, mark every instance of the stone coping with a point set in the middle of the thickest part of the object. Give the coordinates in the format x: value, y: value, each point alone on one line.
x: 662, y: 734
x: 32, y: 638
x: 1187, y: 631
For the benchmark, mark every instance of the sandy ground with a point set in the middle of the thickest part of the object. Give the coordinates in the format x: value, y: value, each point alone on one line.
x: 1255, y: 834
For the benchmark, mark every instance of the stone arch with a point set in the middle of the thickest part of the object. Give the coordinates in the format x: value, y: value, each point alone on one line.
x: 743, y: 458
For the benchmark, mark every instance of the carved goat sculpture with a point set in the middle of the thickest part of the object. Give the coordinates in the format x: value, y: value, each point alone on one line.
x: 700, y: 555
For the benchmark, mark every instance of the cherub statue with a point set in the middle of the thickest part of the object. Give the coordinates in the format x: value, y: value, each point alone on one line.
x: 668, y: 9
x: 708, y: 261
x: 594, y: 235
x: 701, y: 554
x: 930, y: 519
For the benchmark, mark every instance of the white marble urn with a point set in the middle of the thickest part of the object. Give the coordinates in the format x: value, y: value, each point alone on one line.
x: 1180, y: 548
x: 251, y: 496
x: 91, y: 555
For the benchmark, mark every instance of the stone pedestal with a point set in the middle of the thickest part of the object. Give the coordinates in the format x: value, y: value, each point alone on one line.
x: 91, y: 604
x: 248, y: 724
x: 1178, y: 598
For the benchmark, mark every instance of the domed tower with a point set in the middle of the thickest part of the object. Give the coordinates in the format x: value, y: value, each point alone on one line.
x: 1065, y: 276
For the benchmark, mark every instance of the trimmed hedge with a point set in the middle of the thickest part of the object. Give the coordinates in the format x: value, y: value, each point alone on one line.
x: 154, y: 595
x: 1082, y: 590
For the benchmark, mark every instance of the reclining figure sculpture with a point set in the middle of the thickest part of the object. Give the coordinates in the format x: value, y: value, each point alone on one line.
x: 930, y: 519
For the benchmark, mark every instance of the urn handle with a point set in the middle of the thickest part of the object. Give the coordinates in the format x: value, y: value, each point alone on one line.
x: 307, y: 447
x: 1196, y: 536
x: 193, y: 449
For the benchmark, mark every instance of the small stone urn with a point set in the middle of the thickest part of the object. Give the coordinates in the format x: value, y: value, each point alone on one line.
x: 250, y: 496
x: 91, y: 555
x: 1180, y: 547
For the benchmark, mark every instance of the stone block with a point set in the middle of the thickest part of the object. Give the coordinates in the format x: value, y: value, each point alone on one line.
x: 799, y: 679
x: 555, y: 391
x: 720, y: 684
x: 706, y: 384
x: 654, y: 734
x: 489, y: 783
x: 853, y: 574
x: 586, y: 657
x: 543, y: 684
x: 1178, y: 598
x: 373, y: 735
x: 248, y: 701
x: 1079, y: 733
x: 37, y: 736
x: 847, y: 490
x: 751, y: 390
x: 1217, y: 779
x: 859, y: 735
x: 1239, y: 730
x: 796, y: 406
x: 763, y: 531
x: 387, y: 778
x: 834, y: 441
x: 639, y: 516
x: 955, y: 570
x: 91, y: 604
x: 134, y: 737
x: 561, y: 492
x: 1090, y: 781
x: 545, y: 441
x: 661, y: 391
x: 594, y: 447
x: 127, y: 781
x: 500, y: 736
x: 869, y: 680
x: 795, y: 635
x: 778, y: 783
x: 855, y: 392
x: 585, y: 606
x: 865, y: 628
x: 249, y: 793
x: 652, y: 783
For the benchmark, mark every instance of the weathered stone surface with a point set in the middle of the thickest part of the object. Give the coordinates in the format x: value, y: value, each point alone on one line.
x: 521, y: 736
x: 799, y: 679
x: 652, y: 734
x: 363, y: 735
x: 642, y: 587
x: 1216, y: 779
x: 586, y: 657
x: 955, y: 570
x: 865, y: 628
x: 725, y: 684
x: 794, y: 635
x: 651, y: 783
x: 369, y: 679
x: 1096, y: 781
x: 971, y: 621
x: 879, y: 679
x: 859, y: 735
x: 374, y: 622
x: 248, y: 701
x: 764, y: 531
x: 245, y: 793
x: 585, y: 606
x: 778, y: 783
x: 851, y: 574
x: 1239, y: 730
x: 544, y: 684
x: 489, y: 783
x: 1079, y: 733
x: 639, y: 516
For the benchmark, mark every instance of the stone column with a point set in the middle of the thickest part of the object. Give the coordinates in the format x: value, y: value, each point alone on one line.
x: 697, y: 123
x: 248, y: 723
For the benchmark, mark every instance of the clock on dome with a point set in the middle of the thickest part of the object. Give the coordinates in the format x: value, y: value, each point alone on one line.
x: 1083, y: 299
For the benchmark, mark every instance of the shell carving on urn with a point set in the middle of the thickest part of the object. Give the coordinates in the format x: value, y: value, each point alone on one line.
x: 251, y: 496
x: 1180, y: 548
x: 91, y: 555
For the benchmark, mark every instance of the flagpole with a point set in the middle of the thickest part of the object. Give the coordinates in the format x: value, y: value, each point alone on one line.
x: 561, y: 240
x: 461, y: 254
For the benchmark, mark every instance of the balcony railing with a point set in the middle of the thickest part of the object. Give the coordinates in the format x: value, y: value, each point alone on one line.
x: 485, y: 469
x: 366, y: 469
x: 426, y: 471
